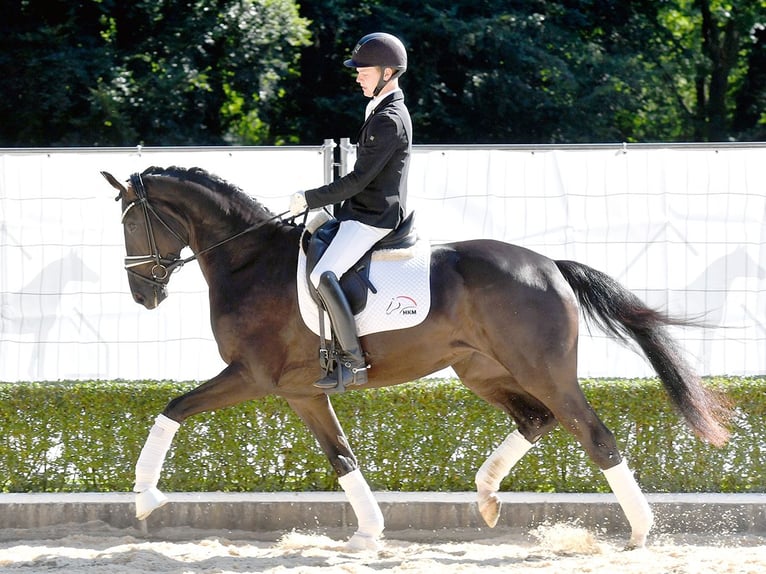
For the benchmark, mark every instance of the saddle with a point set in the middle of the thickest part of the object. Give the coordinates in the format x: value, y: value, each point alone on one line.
x: 355, y: 282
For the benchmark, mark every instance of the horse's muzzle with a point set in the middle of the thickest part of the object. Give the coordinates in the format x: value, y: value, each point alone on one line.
x: 150, y: 296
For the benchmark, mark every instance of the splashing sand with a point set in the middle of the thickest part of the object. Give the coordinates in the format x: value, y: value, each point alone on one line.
x: 557, y: 548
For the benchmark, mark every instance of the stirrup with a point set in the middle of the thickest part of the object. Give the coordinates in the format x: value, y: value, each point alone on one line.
x: 342, y: 377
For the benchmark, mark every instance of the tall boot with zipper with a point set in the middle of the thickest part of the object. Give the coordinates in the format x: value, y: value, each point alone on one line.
x: 351, y: 368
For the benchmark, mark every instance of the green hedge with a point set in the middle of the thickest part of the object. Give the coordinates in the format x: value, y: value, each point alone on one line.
x: 429, y: 435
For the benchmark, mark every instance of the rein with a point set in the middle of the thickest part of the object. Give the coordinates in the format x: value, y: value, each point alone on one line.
x: 164, y: 266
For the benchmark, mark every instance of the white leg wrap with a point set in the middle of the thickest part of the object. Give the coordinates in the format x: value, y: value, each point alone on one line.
x: 500, y: 462
x: 153, y: 454
x: 632, y: 501
x: 368, y: 514
x: 149, y: 466
x: 494, y: 470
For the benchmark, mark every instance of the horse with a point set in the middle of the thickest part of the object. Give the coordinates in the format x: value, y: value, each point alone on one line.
x: 505, y: 318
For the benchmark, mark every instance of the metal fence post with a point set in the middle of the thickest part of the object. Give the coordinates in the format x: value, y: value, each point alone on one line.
x: 346, y: 152
x: 329, y: 160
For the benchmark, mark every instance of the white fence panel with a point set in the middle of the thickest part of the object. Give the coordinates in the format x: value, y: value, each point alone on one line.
x: 66, y: 308
x: 683, y: 227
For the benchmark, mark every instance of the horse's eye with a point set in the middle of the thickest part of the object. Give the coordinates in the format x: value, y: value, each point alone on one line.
x: 131, y: 227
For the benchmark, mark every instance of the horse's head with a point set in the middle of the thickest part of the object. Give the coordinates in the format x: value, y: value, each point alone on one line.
x: 152, y: 245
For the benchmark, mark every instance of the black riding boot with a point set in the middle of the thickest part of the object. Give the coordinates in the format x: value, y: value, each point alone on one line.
x: 350, y: 368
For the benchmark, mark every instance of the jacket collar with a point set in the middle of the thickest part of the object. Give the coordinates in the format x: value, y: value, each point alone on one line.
x: 396, y: 95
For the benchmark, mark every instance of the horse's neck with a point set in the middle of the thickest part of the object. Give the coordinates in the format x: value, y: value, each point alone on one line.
x: 232, y: 238
x: 264, y: 256
x: 207, y: 222
x: 216, y: 229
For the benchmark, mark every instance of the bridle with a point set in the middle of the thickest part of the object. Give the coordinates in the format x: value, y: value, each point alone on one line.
x: 163, y: 266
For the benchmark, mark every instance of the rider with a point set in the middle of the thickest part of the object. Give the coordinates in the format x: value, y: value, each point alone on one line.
x: 372, y: 196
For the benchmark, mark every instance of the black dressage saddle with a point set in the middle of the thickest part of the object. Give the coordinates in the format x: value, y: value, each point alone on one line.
x: 355, y: 282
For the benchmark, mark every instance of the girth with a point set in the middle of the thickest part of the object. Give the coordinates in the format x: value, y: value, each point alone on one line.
x: 355, y: 282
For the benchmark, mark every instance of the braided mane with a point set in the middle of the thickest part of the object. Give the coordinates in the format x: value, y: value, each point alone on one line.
x: 229, y: 197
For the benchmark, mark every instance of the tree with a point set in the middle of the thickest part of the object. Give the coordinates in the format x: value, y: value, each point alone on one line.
x: 169, y: 72
x: 486, y: 72
x: 724, y: 28
x: 494, y: 71
x: 750, y: 113
x: 205, y: 72
x: 50, y: 53
x: 705, y: 56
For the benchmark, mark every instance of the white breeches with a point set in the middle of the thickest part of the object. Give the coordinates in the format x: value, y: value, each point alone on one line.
x: 353, y: 240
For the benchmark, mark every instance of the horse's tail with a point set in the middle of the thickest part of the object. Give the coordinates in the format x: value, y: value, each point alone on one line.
x: 622, y: 314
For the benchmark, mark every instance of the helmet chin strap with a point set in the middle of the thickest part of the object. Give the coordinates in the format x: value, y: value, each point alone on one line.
x: 382, y: 83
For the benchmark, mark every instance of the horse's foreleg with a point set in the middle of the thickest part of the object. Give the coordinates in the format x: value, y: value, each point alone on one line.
x: 368, y: 514
x: 632, y: 501
x: 149, y: 466
x: 225, y: 389
x: 319, y: 416
x: 494, y: 470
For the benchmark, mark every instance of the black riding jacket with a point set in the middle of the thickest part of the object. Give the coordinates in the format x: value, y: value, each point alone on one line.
x: 375, y: 192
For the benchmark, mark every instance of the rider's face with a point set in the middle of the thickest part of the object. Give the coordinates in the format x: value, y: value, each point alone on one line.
x: 368, y: 79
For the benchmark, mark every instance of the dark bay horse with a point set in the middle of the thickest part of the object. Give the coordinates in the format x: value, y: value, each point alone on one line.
x: 503, y: 317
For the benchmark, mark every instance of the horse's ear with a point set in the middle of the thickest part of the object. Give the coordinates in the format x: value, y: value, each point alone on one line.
x: 115, y: 184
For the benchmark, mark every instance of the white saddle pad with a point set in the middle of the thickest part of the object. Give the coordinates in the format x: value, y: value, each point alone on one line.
x: 402, y: 278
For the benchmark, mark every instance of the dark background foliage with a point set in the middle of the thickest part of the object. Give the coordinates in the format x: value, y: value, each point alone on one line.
x: 249, y: 72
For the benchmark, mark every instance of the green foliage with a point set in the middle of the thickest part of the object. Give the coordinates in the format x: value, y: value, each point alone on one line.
x: 549, y: 72
x: 424, y: 436
x: 90, y: 72
x: 211, y: 72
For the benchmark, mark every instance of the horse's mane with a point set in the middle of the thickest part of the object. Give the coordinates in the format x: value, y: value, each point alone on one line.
x: 229, y: 197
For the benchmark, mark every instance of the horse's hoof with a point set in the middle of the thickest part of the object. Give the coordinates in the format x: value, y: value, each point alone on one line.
x: 636, y: 541
x: 359, y: 542
x: 149, y: 500
x: 489, y: 508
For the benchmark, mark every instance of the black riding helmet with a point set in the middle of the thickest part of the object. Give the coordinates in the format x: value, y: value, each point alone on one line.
x: 379, y: 50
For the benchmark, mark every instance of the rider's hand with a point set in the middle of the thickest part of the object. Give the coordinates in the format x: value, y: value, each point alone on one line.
x: 298, y: 203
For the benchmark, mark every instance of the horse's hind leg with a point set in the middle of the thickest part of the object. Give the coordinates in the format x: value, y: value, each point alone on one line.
x: 319, y: 416
x: 491, y: 382
x: 632, y: 501
x: 570, y: 408
x: 573, y: 411
x: 497, y: 466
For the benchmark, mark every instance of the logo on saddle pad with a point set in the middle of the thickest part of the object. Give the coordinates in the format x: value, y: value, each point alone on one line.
x: 403, y: 305
x: 391, y: 289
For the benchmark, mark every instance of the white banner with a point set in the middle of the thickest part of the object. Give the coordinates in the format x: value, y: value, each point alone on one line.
x: 681, y: 227
x: 67, y: 311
